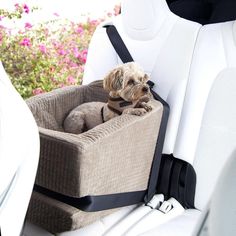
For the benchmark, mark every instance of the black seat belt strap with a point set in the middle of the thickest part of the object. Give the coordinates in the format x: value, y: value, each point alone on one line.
x: 125, y: 56
x: 118, y: 44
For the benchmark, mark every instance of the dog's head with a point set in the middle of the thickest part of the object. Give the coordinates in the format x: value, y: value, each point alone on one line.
x: 127, y: 81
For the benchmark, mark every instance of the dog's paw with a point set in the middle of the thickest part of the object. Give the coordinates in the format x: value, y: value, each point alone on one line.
x: 135, y: 111
x: 145, y: 98
x: 140, y: 112
x: 146, y: 106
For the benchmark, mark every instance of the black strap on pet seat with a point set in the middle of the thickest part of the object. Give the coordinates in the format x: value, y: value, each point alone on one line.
x: 125, y: 56
x: 95, y: 203
x: 169, y: 175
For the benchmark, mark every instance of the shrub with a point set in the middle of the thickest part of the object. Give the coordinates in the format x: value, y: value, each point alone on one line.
x: 45, y: 56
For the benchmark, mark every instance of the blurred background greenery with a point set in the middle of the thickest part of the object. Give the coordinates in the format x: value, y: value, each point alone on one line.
x: 44, y: 54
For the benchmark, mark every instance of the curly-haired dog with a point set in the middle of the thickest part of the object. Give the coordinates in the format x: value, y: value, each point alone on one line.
x: 128, y: 94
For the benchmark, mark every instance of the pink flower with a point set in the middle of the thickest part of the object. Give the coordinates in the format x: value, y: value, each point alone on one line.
x: 17, y: 5
x: 81, y: 68
x: 72, y: 64
x: 25, y: 42
x: 56, y: 14
x: 62, y: 52
x: 37, y: 91
x: 84, y: 55
x: 28, y: 25
x: 71, y: 80
x: 1, y: 17
x: 43, y: 48
x: 26, y: 8
x: 109, y: 14
x: 80, y: 30
x: 76, y: 52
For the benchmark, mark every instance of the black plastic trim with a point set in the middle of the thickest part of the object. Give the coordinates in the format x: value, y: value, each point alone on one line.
x: 177, y: 178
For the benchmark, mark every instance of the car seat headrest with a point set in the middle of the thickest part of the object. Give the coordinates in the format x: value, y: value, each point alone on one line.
x: 141, y: 19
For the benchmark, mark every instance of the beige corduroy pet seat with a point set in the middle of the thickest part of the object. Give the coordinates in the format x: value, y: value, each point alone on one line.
x: 81, y: 176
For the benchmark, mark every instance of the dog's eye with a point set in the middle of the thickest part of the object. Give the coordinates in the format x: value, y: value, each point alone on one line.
x: 131, y: 82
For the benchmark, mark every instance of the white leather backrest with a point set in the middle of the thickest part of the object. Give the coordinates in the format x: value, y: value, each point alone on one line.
x: 217, y: 138
x: 19, y: 154
x: 215, y: 50
x: 165, y: 54
x: 205, y: 148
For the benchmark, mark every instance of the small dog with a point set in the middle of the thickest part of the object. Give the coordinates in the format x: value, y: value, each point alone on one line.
x: 128, y: 94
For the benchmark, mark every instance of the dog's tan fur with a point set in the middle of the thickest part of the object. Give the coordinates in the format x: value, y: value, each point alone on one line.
x: 127, y: 81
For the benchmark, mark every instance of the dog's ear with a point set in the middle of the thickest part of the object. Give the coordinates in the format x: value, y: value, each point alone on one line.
x: 114, y: 80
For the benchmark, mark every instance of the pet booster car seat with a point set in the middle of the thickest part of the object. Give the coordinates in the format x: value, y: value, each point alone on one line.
x: 106, y: 167
x: 153, y: 47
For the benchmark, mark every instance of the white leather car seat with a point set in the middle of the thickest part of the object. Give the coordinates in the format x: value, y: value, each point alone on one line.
x: 215, y: 53
x: 215, y: 144
x: 219, y: 216
x: 19, y: 154
x: 206, y: 135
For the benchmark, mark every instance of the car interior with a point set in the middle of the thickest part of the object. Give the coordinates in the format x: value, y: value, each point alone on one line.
x: 131, y: 175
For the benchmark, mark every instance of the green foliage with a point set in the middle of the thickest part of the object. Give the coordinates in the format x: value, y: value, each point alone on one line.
x: 45, y: 56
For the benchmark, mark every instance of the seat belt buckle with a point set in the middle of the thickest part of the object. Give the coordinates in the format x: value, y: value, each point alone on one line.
x: 166, y: 207
x: 156, y: 201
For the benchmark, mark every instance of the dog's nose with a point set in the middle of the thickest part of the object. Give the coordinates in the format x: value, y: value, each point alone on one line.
x: 145, y: 89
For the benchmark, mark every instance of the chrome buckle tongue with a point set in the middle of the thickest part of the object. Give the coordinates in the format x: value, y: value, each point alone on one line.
x: 165, y: 207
